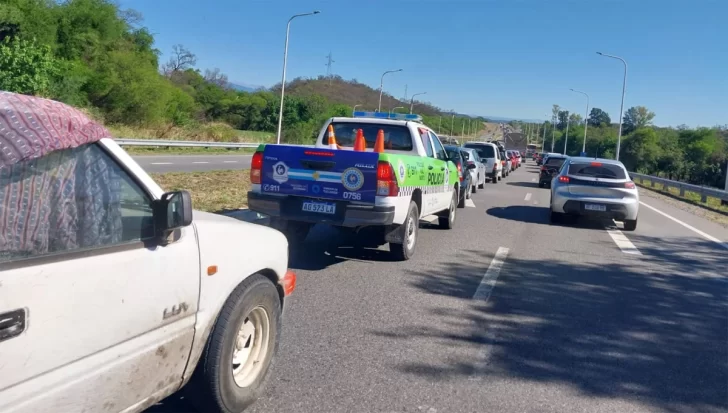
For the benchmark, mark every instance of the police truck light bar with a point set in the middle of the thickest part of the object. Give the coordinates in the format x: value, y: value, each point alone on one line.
x: 386, y: 115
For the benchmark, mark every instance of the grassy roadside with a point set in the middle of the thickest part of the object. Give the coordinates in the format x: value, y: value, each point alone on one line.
x: 211, y: 132
x: 690, y: 197
x: 211, y: 191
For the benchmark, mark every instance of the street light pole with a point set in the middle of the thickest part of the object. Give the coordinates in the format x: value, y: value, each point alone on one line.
x: 586, y: 118
x: 439, y: 124
x: 283, y: 79
x: 566, y: 139
x: 543, y: 142
x: 381, y: 87
x: 393, y: 109
x: 412, y: 99
x: 352, y: 112
x: 621, y: 106
x: 553, y: 132
x: 452, y: 124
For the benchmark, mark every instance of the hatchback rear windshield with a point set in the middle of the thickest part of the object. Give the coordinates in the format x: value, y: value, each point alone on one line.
x: 597, y: 170
x: 396, y: 137
x: 555, y: 162
x: 484, y: 151
x: 453, y: 152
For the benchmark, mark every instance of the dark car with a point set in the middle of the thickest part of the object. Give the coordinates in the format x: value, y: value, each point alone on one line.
x: 456, y: 154
x: 550, y: 169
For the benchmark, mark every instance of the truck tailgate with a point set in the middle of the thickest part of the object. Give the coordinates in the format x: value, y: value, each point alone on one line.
x: 319, y: 173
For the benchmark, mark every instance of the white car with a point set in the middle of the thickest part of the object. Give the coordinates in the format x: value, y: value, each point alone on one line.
x: 114, y: 294
x: 491, y: 157
x: 479, y: 174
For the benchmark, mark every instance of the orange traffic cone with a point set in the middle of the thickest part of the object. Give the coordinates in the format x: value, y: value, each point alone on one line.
x: 379, y: 143
x: 360, y: 144
x: 332, y: 138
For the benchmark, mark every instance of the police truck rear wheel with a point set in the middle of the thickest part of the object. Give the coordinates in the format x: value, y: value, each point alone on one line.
x: 410, y: 227
x: 448, y: 221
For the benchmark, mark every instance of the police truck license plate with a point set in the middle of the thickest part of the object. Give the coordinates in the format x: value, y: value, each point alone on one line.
x: 320, y: 207
x: 595, y: 207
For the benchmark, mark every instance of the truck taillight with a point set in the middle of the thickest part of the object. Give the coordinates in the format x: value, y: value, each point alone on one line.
x: 386, y: 180
x: 256, y: 166
x: 460, y: 172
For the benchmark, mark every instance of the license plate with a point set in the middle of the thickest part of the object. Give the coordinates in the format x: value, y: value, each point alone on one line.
x: 319, y: 207
x: 595, y: 207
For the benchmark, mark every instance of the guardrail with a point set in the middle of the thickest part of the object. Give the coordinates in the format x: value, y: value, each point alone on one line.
x: 184, y: 144
x: 704, y: 191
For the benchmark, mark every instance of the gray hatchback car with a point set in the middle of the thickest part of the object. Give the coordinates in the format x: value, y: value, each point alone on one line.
x: 595, y: 188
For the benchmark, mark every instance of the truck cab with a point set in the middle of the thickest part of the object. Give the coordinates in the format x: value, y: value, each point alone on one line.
x: 369, y: 170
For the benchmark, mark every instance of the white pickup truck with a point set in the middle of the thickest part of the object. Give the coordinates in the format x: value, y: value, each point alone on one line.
x: 113, y: 295
x: 340, y: 183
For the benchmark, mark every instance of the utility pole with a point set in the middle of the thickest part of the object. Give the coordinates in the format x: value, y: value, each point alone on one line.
x: 329, y: 62
x: 566, y: 139
x: 543, y: 141
x: 553, y: 133
x: 405, y: 94
x: 439, y: 124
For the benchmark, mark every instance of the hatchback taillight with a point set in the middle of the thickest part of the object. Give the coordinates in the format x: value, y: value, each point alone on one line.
x: 629, y: 185
x: 564, y: 179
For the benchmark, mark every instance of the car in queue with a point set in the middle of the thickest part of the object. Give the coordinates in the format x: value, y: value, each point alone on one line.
x: 600, y: 188
x: 116, y: 294
x: 550, y: 168
x: 490, y: 156
x: 374, y: 169
x: 479, y: 172
x: 458, y: 155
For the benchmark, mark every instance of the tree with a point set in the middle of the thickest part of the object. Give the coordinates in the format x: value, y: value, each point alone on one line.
x: 563, y: 117
x: 555, y: 112
x: 598, y: 117
x: 575, y: 119
x: 636, y: 117
x: 217, y: 78
x: 641, y: 151
x: 26, y: 67
x: 181, y: 60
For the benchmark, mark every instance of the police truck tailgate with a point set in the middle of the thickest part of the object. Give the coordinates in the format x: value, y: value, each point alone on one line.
x: 340, y: 175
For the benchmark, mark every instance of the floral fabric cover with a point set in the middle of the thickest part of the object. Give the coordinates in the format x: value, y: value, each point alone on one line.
x: 58, y: 192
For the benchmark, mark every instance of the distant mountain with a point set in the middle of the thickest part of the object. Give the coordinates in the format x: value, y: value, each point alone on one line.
x: 245, y: 87
x: 506, y: 120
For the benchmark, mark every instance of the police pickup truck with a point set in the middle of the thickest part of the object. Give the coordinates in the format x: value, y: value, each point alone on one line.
x: 370, y: 170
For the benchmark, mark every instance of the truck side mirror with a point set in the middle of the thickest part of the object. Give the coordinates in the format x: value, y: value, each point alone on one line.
x: 172, y: 211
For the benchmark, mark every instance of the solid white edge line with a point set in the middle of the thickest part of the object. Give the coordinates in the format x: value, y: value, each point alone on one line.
x: 528, y: 197
x: 533, y: 179
x: 200, y: 162
x: 229, y: 161
x: 161, y: 163
x: 688, y: 226
x: 491, y: 275
x: 469, y: 203
x: 623, y: 242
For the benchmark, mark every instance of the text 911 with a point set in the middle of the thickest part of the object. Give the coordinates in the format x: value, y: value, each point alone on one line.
x: 271, y: 188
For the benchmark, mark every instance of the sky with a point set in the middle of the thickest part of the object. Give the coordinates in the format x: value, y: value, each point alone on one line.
x: 510, y: 58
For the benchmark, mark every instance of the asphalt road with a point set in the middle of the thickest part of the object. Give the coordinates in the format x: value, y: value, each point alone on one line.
x: 507, y: 313
x: 192, y: 163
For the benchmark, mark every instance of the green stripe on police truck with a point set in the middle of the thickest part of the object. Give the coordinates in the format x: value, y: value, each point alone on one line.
x: 429, y: 175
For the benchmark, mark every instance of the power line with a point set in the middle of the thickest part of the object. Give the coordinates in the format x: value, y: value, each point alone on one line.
x: 329, y: 62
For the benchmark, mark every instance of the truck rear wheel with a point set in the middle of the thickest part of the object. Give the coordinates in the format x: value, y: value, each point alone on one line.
x: 448, y: 221
x: 410, y: 228
x: 236, y: 362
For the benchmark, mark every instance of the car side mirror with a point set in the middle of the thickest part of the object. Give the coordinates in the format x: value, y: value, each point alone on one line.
x: 471, y: 166
x: 172, y: 211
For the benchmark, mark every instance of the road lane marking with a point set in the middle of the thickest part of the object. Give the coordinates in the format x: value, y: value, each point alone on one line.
x: 491, y: 275
x: 622, y: 242
x: 528, y: 197
x: 533, y: 179
x: 200, y: 162
x: 161, y: 163
x: 230, y: 161
x: 690, y: 227
x: 469, y: 203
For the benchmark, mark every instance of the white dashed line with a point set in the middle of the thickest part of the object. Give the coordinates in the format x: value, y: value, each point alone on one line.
x: 200, y: 162
x: 528, y: 197
x: 622, y: 242
x: 229, y: 161
x: 469, y: 203
x: 690, y: 227
x: 161, y: 163
x: 533, y: 179
x: 491, y: 275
